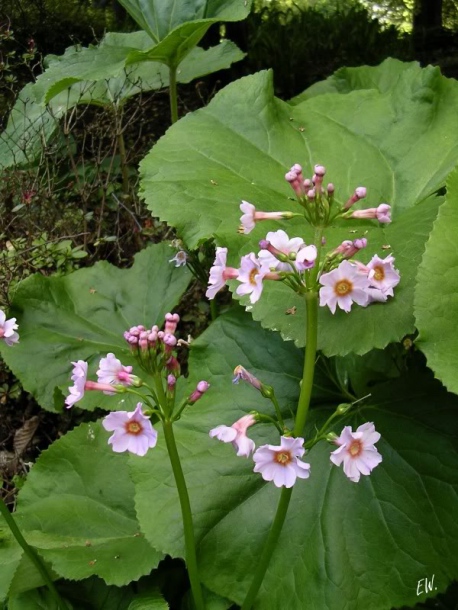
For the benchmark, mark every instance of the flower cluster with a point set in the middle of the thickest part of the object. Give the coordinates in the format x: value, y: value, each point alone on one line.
x: 340, y: 280
x: 8, y: 330
x: 282, y: 463
x: 154, y: 348
x: 355, y: 282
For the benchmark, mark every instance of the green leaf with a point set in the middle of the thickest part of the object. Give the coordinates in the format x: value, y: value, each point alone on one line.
x: 36, y: 599
x: 77, y: 509
x: 118, y: 68
x: 83, y: 316
x: 177, y: 27
x: 379, y: 77
x: 10, y: 557
x: 149, y: 600
x: 436, y: 295
x: 28, y: 124
x: 343, y: 545
x: 239, y: 147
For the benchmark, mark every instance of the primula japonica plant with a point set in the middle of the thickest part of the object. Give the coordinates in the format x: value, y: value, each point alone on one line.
x: 353, y: 443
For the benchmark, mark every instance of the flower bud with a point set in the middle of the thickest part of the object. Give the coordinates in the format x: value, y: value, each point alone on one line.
x: 201, y: 388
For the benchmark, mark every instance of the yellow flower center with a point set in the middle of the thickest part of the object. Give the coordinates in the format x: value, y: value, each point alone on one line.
x: 252, y: 276
x: 283, y: 458
x: 379, y: 274
x: 133, y: 427
x: 343, y: 288
x: 355, y: 448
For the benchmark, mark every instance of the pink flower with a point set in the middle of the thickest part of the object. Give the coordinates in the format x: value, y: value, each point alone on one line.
x: 79, y: 376
x: 360, y: 193
x: 280, y: 464
x: 251, y: 274
x: 113, y: 372
x: 349, y: 248
x: 383, y: 275
x: 179, y: 259
x: 251, y: 216
x: 305, y: 258
x: 7, y: 329
x: 219, y: 273
x: 240, y: 372
x: 357, y: 451
x: 343, y: 286
x: 280, y: 241
x: 382, y: 213
x: 132, y: 431
x: 236, y: 434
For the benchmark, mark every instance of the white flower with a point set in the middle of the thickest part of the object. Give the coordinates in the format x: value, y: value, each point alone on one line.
x: 342, y: 286
x: 280, y: 464
x: 236, y: 434
x: 219, y: 273
x: 132, y: 431
x: 357, y: 451
x: 280, y: 240
x: 179, y: 259
x: 7, y: 329
x: 113, y: 372
x: 383, y: 275
x: 251, y: 274
x: 306, y: 257
x: 79, y: 376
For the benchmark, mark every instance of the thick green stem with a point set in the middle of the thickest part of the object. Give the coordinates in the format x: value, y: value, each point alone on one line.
x: 31, y: 554
x: 311, y: 304
x: 269, y: 548
x: 173, y: 94
x: 191, y: 560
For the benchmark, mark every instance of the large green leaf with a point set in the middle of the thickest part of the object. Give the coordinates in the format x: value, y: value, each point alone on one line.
x: 116, y: 70
x: 83, y: 316
x: 397, y: 143
x: 177, y: 27
x: 344, y: 546
x: 10, y: 557
x: 380, y: 77
x: 77, y: 509
x: 436, y: 296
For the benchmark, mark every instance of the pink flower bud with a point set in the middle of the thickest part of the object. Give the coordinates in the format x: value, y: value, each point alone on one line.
x: 171, y: 321
x: 319, y: 170
x: 201, y: 388
x: 311, y: 194
x: 330, y: 188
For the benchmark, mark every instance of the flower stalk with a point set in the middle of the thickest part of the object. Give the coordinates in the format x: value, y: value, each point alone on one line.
x: 32, y: 555
x: 190, y: 544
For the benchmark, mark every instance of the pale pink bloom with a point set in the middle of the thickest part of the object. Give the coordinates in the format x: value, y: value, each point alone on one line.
x: 179, y: 259
x: 349, y: 248
x: 382, y: 274
x: 360, y: 193
x: 79, y: 376
x: 251, y: 275
x: 171, y: 323
x: 219, y: 273
x: 131, y: 431
x: 357, y: 451
x: 7, y: 329
x: 236, y: 434
x: 382, y: 213
x: 280, y: 464
x: 306, y: 257
x: 251, y: 216
x: 113, y: 372
x: 343, y: 286
x: 280, y: 241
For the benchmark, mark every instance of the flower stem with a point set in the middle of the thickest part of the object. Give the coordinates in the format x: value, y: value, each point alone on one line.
x: 173, y: 94
x: 191, y: 560
x: 31, y: 554
x: 269, y: 547
x: 311, y: 304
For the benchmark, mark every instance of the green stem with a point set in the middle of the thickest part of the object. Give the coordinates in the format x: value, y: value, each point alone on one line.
x: 311, y: 305
x: 31, y: 554
x: 123, y: 160
x: 269, y: 547
x: 191, y: 560
x: 173, y: 94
